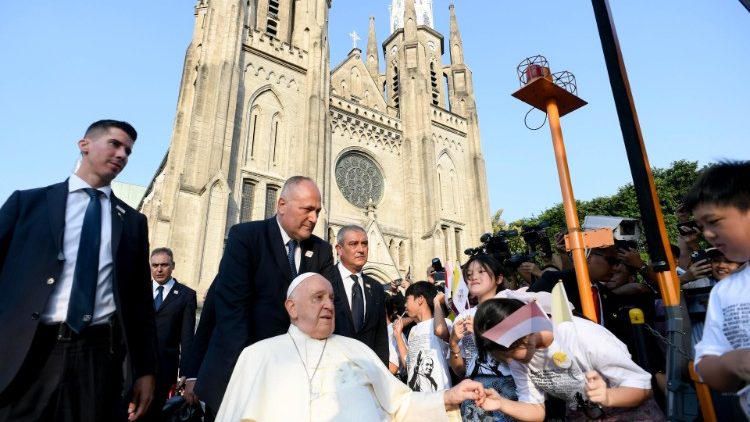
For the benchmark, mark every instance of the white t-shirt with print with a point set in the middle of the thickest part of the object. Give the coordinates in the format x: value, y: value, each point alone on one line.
x: 578, y: 347
x: 427, y: 362
x: 727, y: 317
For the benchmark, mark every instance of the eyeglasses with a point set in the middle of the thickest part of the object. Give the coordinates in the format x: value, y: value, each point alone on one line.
x: 611, y: 260
x: 593, y: 411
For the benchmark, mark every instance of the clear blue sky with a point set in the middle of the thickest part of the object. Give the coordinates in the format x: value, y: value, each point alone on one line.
x: 66, y: 64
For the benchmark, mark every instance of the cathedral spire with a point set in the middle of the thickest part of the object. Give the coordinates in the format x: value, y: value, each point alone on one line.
x: 457, y: 46
x: 410, y: 20
x: 372, y: 51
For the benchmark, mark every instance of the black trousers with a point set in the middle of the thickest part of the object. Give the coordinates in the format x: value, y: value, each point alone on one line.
x: 73, y: 378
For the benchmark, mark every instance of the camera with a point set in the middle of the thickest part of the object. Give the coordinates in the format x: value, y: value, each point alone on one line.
x: 536, y: 238
x: 702, y: 254
x: 437, y: 265
x: 439, y: 271
x: 623, y: 228
x: 517, y: 259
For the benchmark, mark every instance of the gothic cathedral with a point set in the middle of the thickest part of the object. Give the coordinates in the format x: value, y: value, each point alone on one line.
x: 394, y: 148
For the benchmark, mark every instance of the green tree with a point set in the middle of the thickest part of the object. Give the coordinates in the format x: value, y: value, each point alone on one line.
x: 672, y: 184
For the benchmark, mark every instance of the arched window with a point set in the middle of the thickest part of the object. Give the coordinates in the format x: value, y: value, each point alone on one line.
x: 252, y: 133
x: 275, y: 129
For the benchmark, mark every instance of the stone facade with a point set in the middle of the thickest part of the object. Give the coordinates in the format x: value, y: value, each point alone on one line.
x: 396, y: 152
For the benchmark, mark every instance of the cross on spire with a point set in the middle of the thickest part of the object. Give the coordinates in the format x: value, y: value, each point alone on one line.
x: 355, y: 37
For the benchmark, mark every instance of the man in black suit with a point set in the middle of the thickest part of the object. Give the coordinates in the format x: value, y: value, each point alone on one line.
x: 75, y: 296
x: 359, y: 300
x: 260, y: 260
x: 174, y: 305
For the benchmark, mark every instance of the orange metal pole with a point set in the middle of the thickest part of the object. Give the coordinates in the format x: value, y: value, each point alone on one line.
x: 704, y: 395
x: 571, y: 213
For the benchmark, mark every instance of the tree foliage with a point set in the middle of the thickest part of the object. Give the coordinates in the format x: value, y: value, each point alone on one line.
x: 672, y: 184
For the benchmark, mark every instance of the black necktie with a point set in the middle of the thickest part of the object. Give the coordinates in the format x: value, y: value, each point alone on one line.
x: 358, y: 304
x: 159, y: 297
x: 291, y: 247
x: 86, y: 273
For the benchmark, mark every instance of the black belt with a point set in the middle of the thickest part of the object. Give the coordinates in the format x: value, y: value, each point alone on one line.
x: 63, y: 333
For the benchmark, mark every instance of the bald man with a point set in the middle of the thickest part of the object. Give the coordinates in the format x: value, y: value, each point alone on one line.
x: 260, y: 260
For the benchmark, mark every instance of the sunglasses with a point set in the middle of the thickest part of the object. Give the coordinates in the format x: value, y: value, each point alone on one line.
x: 593, y: 411
x: 611, y: 260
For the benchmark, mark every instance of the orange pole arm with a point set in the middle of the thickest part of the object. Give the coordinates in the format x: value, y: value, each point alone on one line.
x: 571, y: 213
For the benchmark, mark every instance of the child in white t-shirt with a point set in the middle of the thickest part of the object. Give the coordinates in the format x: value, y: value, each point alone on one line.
x: 720, y: 203
x: 426, y: 363
x: 580, y: 362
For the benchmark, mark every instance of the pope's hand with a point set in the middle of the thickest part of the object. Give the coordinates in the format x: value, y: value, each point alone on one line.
x: 465, y: 390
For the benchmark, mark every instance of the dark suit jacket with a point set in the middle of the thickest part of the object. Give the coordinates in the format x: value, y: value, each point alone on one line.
x: 175, y: 324
x: 374, y: 332
x: 193, y: 358
x: 250, y: 290
x: 31, y: 262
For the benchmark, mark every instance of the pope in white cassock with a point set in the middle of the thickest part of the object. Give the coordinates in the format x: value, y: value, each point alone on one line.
x: 308, y: 374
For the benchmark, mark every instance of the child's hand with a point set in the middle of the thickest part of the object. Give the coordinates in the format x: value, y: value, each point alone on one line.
x: 596, y: 388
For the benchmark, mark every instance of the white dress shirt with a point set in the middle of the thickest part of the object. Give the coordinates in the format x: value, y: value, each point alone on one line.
x: 75, y: 208
x: 167, y: 288
x: 287, y: 238
x: 349, y: 283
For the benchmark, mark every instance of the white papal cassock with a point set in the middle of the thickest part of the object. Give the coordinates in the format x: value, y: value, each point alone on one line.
x: 270, y: 383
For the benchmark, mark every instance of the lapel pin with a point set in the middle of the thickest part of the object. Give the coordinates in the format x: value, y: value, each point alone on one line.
x: 174, y: 292
x: 120, y: 210
x: 309, y: 254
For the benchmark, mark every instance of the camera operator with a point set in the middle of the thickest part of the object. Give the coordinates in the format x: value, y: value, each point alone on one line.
x: 561, y: 259
x: 600, y: 261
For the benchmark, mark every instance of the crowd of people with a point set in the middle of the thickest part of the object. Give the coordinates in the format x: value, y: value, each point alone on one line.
x: 97, y: 328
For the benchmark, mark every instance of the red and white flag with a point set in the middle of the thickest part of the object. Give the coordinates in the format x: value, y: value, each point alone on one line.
x: 528, y: 319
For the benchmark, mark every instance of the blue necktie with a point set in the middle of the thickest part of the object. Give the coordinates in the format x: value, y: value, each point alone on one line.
x: 159, y: 297
x: 358, y: 304
x: 291, y: 246
x: 86, y: 273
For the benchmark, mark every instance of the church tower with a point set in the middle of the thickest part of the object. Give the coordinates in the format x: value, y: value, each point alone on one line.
x: 393, y: 145
x: 252, y: 111
x: 417, y: 141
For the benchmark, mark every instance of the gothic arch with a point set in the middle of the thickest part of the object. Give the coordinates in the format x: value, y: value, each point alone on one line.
x: 450, y: 199
x: 264, y: 128
x: 356, y: 82
x: 258, y: 92
x: 377, y: 274
x: 215, y: 220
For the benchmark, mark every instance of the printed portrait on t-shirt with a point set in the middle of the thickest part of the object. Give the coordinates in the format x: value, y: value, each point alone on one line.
x: 421, y: 378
